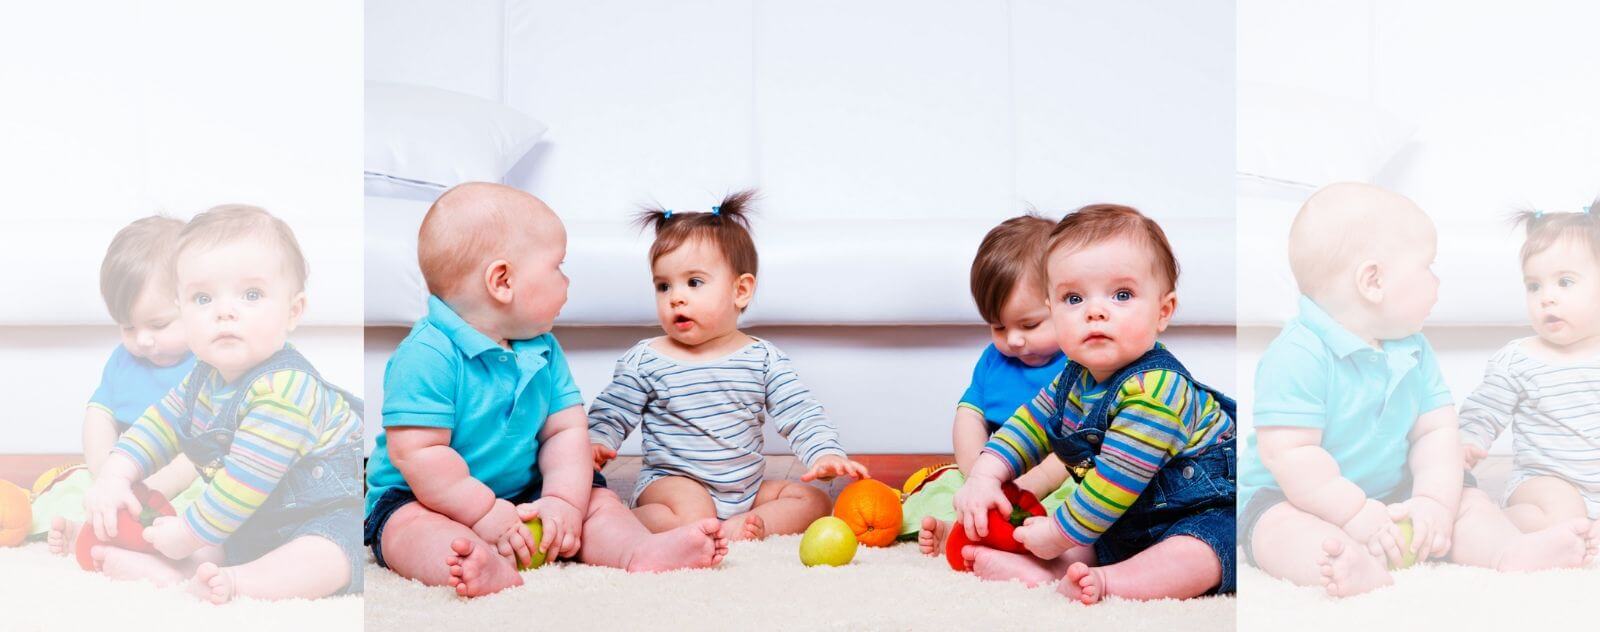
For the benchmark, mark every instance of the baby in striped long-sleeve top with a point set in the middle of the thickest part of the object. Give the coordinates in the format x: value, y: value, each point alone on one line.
x: 703, y: 392
x: 1547, y: 387
x: 280, y: 447
x: 1153, y: 514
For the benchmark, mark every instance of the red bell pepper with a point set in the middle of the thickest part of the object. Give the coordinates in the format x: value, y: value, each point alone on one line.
x: 130, y: 529
x: 1001, y: 527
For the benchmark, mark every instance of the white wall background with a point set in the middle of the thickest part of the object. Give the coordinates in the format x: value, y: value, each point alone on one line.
x: 1500, y: 101
x: 886, y: 138
x: 117, y: 111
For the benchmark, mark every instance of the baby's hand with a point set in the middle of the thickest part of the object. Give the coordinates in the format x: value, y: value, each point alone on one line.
x: 973, y: 501
x: 105, y: 497
x: 502, y: 527
x: 602, y: 454
x: 1042, y: 538
x: 168, y: 535
x: 831, y: 465
x: 1471, y: 454
x: 1374, y: 527
x: 562, y: 525
x: 1431, y: 525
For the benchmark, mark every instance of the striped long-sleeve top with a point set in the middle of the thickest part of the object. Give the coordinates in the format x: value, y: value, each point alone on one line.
x: 286, y: 416
x: 1553, y: 412
x: 1158, y: 415
x: 704, y: 420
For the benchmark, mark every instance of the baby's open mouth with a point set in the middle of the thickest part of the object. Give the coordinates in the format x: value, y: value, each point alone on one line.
x: 682, y: 322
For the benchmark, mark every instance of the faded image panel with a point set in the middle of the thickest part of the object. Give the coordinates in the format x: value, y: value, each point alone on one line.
x: 1419, y: 314
x: 180, y: 335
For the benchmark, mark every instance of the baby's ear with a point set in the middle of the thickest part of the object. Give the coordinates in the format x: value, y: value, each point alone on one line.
x: 744, y: 290
x: 1168, y: 306
x: 1369, y: 281
x: 297, y: 308
x: 497, y: 281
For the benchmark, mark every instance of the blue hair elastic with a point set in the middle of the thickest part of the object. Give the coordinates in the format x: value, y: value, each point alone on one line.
x: 716, y: 210
x: 667, y: 214
x: 1536, y: 213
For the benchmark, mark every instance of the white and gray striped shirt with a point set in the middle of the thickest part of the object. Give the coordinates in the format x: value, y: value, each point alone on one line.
x: 704, y: 420
x: 1554, y: 414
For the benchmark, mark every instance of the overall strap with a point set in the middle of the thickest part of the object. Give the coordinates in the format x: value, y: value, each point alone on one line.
x: 1156, y: 359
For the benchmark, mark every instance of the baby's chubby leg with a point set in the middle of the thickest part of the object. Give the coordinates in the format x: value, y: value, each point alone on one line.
x: 427, y: 546
x: 786, y: 507
x: 1485, y: 536
x: 673, y: 501
x: 1294, y: 545
x: 307, y: 567
x: 1179, y: 567
x: 1544, y: 501
x: 613, y: 536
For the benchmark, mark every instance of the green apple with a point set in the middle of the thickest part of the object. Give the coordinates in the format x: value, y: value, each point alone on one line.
x: 1407, y: 557
x: 535, y: 531
x: 828, y: 541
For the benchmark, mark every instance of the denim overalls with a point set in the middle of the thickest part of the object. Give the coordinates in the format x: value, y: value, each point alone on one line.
x: 319, y: 495
x: 1191, y: 495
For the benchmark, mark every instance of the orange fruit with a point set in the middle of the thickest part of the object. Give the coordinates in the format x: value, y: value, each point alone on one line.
x: 16, y: 514
x: 872, y: 510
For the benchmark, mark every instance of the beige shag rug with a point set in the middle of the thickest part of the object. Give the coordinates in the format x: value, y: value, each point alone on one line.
x: 1428, y: 597
x: 763, y: 586
x: 40, y: 591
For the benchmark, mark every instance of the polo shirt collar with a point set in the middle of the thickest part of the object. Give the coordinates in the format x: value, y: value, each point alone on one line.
x: 1339, y: 340
x: 473, y: 343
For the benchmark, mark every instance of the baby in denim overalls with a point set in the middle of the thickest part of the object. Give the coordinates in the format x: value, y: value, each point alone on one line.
x: 1152, y: 449
x: 280, y: 446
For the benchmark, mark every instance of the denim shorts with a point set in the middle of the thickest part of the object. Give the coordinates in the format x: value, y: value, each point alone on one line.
x: 1192, y: 496
x: 317, y: 497
x: 1269, y: 497
x: 394, y: 498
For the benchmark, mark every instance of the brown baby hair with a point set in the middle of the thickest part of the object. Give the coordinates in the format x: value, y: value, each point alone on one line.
x: 140, y: 252
x: 1007, y: 255
x: 727, y: 226
x: 1098, y: 222
x: 241, y: 222
x: 1547, y: 229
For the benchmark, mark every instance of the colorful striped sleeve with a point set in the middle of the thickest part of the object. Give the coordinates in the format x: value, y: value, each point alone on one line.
x: 619, y: 409
x: 152, y: 441
x: 1021, y: 443
x: 277, y: 429
x: 1145, y: 431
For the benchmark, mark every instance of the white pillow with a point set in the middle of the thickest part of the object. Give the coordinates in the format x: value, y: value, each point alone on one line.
x: 424, y: 140
x: 1308, y: 139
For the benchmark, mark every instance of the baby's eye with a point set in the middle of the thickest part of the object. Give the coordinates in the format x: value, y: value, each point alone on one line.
x: 997, y: 328
x: 1072, y: 299
x: 661, y: 287
x: 1030, y: 326
x: 252, y: 295
x: 1124, y: 295
x: 696, y: 282
x: 1567, y: 282
x: 202, y: 299
x: 1533, y: 287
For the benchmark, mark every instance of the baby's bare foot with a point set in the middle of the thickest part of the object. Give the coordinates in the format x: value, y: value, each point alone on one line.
x: 1591, y: 542
x: 1560, y: 546
x: 997, y: 565
x: 118, y: 563
x: 212, y: 584
x: 698, y: 545
x: 63, y: 535
x: 476, y: 571
x: 746, y: 527
x: 1083, y: 583
x: 930, y: 538
x: 1347, y: 572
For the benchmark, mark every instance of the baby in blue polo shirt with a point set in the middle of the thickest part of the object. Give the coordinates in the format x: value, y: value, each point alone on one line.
x: 1022, y: 359
x: 484, y: 427
x: 1356, y: 436
x: 135, y: 281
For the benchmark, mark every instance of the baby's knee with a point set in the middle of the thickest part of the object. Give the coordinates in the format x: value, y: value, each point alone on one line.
x: 814, y: 500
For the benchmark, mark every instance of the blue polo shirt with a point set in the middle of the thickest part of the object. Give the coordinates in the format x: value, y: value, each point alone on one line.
x: 129, y: 385
x: 446, y: 374
x: 1002, y: 384
x: 1316, y: 374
